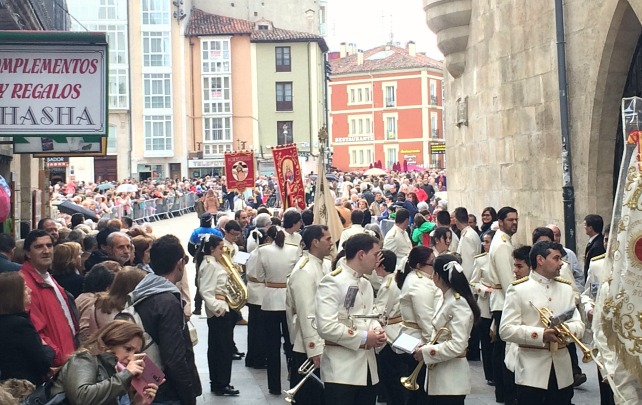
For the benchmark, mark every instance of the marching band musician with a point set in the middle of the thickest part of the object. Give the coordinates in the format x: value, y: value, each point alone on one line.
x: 232, y: 232
x: 291, y: 225
x: 543, y: 372
x: 418, y: 300
x: 457, y: 313
x: 397, y: 238
x: 276, y: 262
x: 301, y: 291
x: 392, y: 366
x: 348, y: 364
x: 220, y: 320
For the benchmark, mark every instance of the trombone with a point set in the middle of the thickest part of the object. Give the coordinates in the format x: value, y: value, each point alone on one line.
x: 306, y: 369
x: 545, y: 316
x: 410, y: 382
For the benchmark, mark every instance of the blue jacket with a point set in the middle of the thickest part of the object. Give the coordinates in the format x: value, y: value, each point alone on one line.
x: 7, y: 265
x: 198, y: 232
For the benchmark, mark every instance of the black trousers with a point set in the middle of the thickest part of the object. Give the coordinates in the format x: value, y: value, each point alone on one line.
x: 344, y: 394
x: 276, y: 326
x: 552, y: 395
x: 311, y: 392
x: 448, y: 399
x: 392, y: 367
x: 499, y: 368
x: 220, y: 348
x: 255, y: 356
x: 473, y: 343
x: 418, y: 397
x: 486, y: 347
x: 606, y: 393
x: 575, y: 365
x: 198, y: 300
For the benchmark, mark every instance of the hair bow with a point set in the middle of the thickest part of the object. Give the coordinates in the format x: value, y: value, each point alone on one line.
x: 453, y: 265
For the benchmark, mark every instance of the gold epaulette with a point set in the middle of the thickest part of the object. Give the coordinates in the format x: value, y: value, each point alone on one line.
x: 504, y: 238
x: 207, y: 259
x: 293, y: 244
x: 480, y: 255
x: 389, y: 282
x: 566, y: 261
x: 562, y: 280
x: 305, y: 261
x: 457, y: 296
x: 602, y: 256
x: 337, y: 271
x: 520, y: 281
x: 419, y: 275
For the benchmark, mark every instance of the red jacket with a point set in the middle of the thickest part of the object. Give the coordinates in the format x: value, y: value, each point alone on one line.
x: 48, y: 316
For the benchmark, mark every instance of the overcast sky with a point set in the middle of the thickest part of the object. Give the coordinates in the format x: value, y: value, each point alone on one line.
x: 368, y: 24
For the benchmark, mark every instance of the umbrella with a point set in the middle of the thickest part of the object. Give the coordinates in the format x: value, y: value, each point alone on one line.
x: 127, y: 188
x: 67, y: 207
x: 105, y: 186
x: 331, y: 177
x: 375, y: 171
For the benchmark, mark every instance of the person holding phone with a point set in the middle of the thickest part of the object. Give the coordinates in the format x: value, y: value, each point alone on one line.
x: 91, y: 375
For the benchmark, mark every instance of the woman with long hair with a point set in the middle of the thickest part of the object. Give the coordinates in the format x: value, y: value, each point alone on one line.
x: 418, y: 300
x: 211, y: 202
x: 367, y: 215
x: 23, y: 354
x: 66, y: 266
x: 102, y: 370
x: 142, y: 246
x: 447, y: 356
x: 212, y: 282
x: 441, y: 239
x: 488, y: 216
x: 109, y: 304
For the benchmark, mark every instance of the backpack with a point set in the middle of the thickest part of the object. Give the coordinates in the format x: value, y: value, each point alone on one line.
x: 130, y: 314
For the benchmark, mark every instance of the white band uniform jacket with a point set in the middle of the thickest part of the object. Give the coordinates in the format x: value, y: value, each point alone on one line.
x: 521, y: 324
x: 500, y: 268
x: 212, y: 281
x: 255, y: 288
x: 399, y: 242
x: 481, y: 285
x: 451, y: 373
x: 387, y: 303
x: 300, y: 303
x: 468, y: 248
x: 418, y: 300
x: 273, y: 267
x: 345, y: 360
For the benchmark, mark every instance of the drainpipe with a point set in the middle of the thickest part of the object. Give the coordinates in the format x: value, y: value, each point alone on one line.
x: 568, y: 192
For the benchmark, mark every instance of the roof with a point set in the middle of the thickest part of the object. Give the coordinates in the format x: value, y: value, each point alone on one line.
x: 385, y: 57
x: 205, y: 24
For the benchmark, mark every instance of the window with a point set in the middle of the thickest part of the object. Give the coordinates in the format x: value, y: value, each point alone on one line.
x: 390, y: 95
x: 215, y: 56
x: 118, y: 88
x: 284, y: 96
x: 359, y: 94
x: 155, y: 12
x: 433, y: 92
x: 158, y: 135
x: 360, y: 125
x: 283, y: 61
x: 157, y: 90
x: 216, y: 94
x: 217, y: 129
x: 111, y: 140
x: 434, y: 128
x: 216, y: 149
x: 391, y: 156
x: 361, y: 156
x: 391, y: 128
x: 107, y: 10
x: 117, y: 40
x: 285, y: 132
x: 156, y: 49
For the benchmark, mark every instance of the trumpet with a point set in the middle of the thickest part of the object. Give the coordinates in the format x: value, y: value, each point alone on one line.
x: 545, y: 316
x: 410, y: 382
x: 306, y: 369
x: 381, y: 318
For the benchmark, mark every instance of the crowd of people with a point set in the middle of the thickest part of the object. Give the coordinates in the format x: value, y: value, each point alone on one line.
x: 89, y: 307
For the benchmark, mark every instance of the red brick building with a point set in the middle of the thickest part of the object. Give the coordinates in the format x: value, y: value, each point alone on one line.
x: 385, y: 105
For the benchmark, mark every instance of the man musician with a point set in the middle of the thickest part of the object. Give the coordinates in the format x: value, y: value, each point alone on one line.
x: 349, y: 365
x: 300, y: 306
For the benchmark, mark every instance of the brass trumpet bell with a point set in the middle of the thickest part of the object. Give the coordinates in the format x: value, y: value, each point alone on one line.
x: 306, y: 369
x: 410, y: 382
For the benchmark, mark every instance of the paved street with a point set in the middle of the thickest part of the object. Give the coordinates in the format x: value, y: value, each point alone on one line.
x: 253, y: 383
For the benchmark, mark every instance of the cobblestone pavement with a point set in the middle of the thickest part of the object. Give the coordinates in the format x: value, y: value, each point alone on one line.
x: 253, y: 383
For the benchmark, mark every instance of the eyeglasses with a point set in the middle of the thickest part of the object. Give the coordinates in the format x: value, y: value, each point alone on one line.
x: 185, y: 259
x: 429, y: 264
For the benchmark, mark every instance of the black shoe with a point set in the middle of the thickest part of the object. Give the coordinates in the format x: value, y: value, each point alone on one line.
x: 240, y: 354
x: 490, y: 382
x: 237, y: 356
x: 196, y: 312
x: 275, y: 392
x: 229, y: 390
x: 579, y: 379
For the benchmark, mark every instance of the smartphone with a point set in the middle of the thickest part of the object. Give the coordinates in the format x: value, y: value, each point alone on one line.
x: 151, y: 375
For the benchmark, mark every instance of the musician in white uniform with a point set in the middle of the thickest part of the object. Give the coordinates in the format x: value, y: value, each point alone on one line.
x: 448, y: 380
x: 300, y: 305
x: 292, y: 223
x: 418, y: 300
x: 397, y: 238
x: 220, y: 319
x: 356, y: 217
x: 543, y: 372
x: 276, y: 262
x: 348, y: 365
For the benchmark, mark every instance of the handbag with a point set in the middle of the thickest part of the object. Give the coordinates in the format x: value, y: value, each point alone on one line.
x: 42, y: 395
x: 192, y: 333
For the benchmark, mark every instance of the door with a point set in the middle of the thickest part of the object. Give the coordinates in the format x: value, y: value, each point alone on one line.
x: 105, y: 168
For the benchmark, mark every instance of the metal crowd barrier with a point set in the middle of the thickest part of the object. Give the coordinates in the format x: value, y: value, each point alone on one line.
x: 168, y: 207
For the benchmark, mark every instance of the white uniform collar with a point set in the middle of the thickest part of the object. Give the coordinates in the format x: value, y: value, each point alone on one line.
x: 353, y: 272
x: 539, y: 278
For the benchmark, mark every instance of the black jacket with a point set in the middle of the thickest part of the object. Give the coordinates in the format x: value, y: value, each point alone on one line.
x: 158, y: 302
x: 595, y: 248
x: 72, y: 282
x: 97, y: 256
x: 22, y: 354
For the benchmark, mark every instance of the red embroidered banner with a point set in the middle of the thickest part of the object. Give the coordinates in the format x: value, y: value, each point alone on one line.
x: 239, y: 170
x: 288, y: 173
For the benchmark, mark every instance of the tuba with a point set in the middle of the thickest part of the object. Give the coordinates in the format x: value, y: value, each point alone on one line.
x: 236, y: 290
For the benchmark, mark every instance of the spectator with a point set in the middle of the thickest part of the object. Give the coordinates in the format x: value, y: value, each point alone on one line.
x: 65, y: 267
x: 51, y: 227
x: 89, y: 244
x: 7, y: 248
x: 49, y: 310
x: 23, y: 354
x: 91, y: 377
x: 100, y: 254
x: 97, y: 280
x: 142, y: 246
x: 158, y: 302
x: 76, y: 235
x: 19, y: 252
x: 109, y: 304
x: 204, y: 228
x: 127, y: 222
x: 77, y: 219
x: 119, y: 247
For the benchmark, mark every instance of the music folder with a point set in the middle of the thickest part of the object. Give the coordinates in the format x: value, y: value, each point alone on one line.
x: 406, y: 343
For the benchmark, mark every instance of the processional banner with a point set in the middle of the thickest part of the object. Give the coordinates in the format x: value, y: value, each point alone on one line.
x: 288, y: 173
x: 239, y: 170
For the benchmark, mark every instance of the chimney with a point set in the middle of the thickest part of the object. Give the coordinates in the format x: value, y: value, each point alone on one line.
x: 342, y: 50
x: 359, y: 58
x: 411, y: 48
x: 353, y: 48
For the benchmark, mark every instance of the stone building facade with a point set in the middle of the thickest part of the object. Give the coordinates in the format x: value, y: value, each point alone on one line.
x: 502, y: 63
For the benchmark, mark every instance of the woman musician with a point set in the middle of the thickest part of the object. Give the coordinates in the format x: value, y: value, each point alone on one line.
x: 220, y: 320
x: 447, y: 356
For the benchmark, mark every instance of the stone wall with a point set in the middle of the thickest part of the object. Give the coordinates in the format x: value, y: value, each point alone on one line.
x: 511, y: 147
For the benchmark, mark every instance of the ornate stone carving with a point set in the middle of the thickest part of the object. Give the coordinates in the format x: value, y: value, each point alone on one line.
x: 450, y: 20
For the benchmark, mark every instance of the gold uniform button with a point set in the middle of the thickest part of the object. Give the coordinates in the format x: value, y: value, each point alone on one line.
x: 550, y: 299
